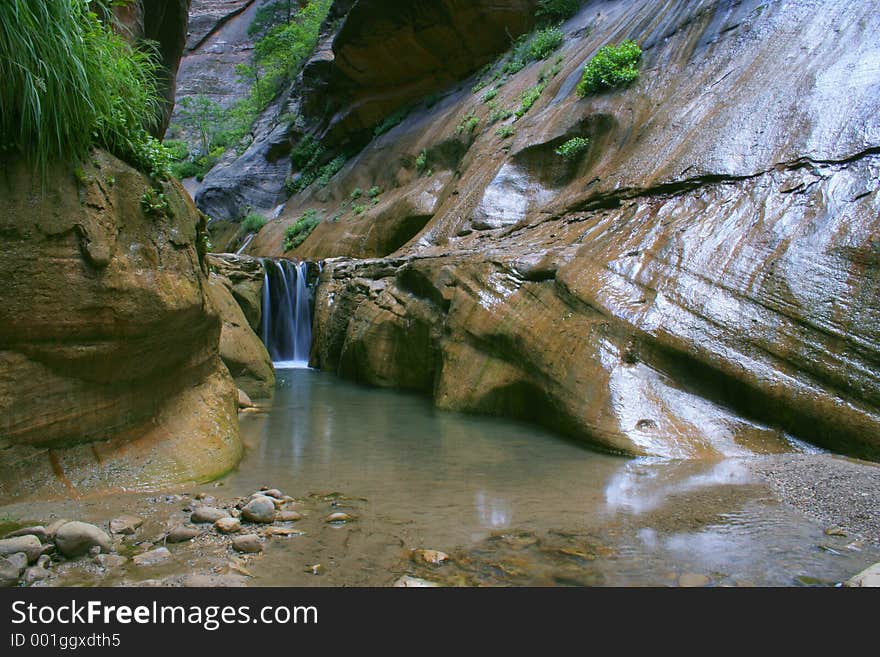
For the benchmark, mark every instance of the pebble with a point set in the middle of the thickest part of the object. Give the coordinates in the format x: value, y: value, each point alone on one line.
x: 29, y: 544
x: 109, y: 561
x: 39, y: 531
x: 182, y: 534
x: 693, y: 580
x: 249, y: 543
x: 870, y: 577
x: 75, y: 539
x: 339, y: 517
x: 152, y: 557
x: 273, y: 492
x: 281, y: 531
x: 259, y: 509
x: 208, y: 515
x: 414, y: 582
x: 125, y: 524
x: 430, y: 556
x: 288, y: 516
x: 228, y: 525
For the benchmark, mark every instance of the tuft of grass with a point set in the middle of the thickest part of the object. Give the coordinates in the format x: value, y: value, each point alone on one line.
x: 357, y: 193
x: 545, y: 42
x: 359, y: 209
x: 612, y: 67
x: 70, y: 83
x: 571, y: 149
x: 529, y: 97
x: 253, y: 223
x: 374, y: 192
x: 468, y: 124
x: 300, y: 231
x: 489, y: 96
x: 505, y: 131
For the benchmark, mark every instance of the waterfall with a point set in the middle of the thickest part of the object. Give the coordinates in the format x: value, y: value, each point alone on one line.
x: 287, y: 315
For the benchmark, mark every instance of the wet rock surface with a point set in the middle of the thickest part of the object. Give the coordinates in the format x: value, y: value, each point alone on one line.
x: 75, y: 539
x: 693, y: 287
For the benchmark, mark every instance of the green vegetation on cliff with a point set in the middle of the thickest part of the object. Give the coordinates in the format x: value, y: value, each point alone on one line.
x: 611, y: 68
x: 298, y: 232
x: 70, y: 83
x: 554, y: 11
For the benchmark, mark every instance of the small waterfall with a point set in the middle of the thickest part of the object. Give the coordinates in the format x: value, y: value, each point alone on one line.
x: 287, y: 315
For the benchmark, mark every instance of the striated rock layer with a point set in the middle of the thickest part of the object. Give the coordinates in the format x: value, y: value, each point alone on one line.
x: 703, y: 280
x: 110, y: 376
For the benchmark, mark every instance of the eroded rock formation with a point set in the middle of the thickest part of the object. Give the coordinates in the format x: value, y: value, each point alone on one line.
x: 110, y: 373
x: 702, y: 280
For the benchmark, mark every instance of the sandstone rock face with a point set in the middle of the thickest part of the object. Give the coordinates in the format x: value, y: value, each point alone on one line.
x: 244, y: 276
x: 109, y: 367
x: 412, y: 49
x: 240, y: 348
x: 701, y: 281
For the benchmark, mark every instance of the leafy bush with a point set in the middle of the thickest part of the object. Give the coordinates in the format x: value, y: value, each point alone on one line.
x: 331, y: 169
x: 505, y: 131
x: 554, y: 11
x: 359, y: 209
x: 500, y: 115
x: 253, y: 223
x: 70, y: 83
x: 612, y: 67
x: 357, y: 193
x: 155, y: 203
x: 299, y: 232
x: 545, y: 42
x: 490, y: 95
x: 573, y: 148
x: 374, y: 192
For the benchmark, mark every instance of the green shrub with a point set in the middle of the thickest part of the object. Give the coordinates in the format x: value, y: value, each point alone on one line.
x: 612, y: 67
x: 70, y: 83
x: 573, y: 148
x: 155, y: 203
x: 374, y: 192
x: 545, y: 42
x: 422, y: 161
x: 331, y: 169
x: 299, y: 232
x: 178, y: 150
x: 555, y: 11
x: 359, y: 209
x: 490, y: 95
x: 505, y: 131
x: 357, y: 193
x: 253, y: 223
x: 500, y: 115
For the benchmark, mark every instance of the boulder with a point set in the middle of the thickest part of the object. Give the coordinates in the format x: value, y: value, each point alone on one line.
x: 74, y: 539
x: 260, y: 509
x: 29, y: 545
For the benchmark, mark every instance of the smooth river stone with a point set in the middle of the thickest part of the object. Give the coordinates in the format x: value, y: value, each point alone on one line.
x: 125, y: 524
x: 249, y: 544
x: 260, y: 509
x: 228, y: 525
x: 75, y: 539
x: 29, y: 545
x: 182, y: 534
x: 208, y: 515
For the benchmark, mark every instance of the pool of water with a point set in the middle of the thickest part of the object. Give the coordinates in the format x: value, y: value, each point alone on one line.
x: 490, y: 491
x: 510, y: 503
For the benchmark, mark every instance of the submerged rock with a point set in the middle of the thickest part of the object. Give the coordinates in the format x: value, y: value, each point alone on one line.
x: 125, y: 524
x: 407, y: 581
x: 228, y: 525
x: 152, y: 558
x: 339, y: 518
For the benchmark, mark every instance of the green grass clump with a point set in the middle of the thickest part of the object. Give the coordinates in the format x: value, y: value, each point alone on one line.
x: 505, y: 131
x: 299, y: 232
x: 374, y: 192
x: 70, y: 83
x: 611, y: 68
x: 555, y: 11
x: 529, y: 97
x: 331, y: 169
x: 155, y: 203
x: 357, y: 193
x: 468, y: 124
x: 253, y: 223
x: 359, y: 209
x: 573, y: 148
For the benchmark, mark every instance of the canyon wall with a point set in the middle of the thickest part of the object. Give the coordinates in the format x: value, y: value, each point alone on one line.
x: 702, y: 280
